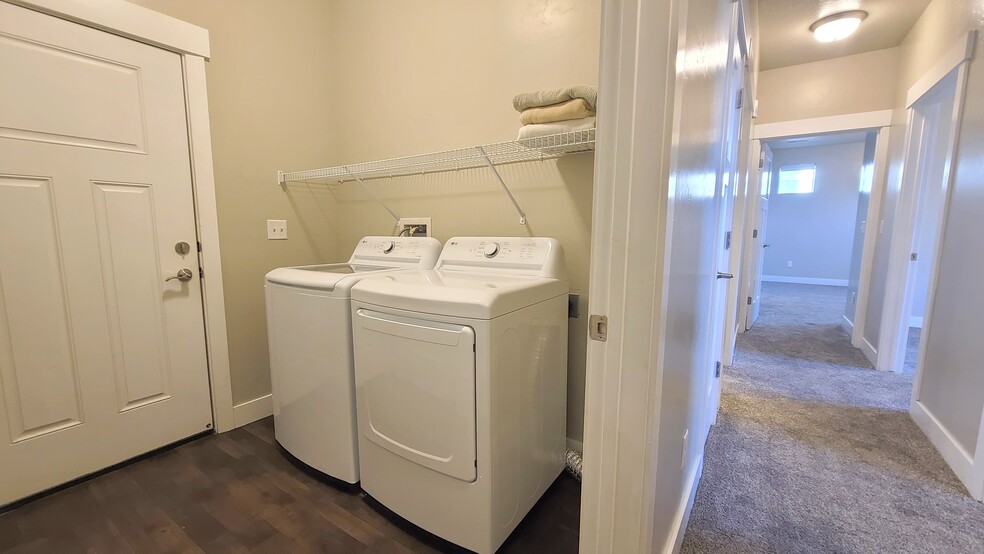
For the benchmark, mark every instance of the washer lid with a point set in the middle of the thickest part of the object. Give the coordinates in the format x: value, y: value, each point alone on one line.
x: 457, y: 293
x: 323, y: 276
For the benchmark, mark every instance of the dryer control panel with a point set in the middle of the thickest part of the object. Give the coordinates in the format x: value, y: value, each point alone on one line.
x: 397, y: 251
x: 538, y: 256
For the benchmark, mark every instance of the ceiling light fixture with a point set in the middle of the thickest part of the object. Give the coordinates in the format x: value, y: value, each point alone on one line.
x: 837, y: 26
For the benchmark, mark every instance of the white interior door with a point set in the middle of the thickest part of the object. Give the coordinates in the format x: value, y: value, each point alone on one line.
x: 725, y: 206
x: 101, y: 357
x: 759, y: 237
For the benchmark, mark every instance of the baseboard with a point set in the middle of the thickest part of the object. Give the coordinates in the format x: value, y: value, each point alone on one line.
x: 869, y: 352
x: 574, y: 444
x: 916, y: 322
x: 955, y: 456
x: 253, y: 410
x: 847, y: 325
x: 804, y: 280
x: 679, y: 528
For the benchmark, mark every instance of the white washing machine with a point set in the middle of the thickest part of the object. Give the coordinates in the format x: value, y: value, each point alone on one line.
x: 461, y: 381
x: 309, y: 325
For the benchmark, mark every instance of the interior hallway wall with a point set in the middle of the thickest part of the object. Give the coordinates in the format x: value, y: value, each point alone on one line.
x: 849, y: 84
x: 415, y: 77
x: 952, y: 379
x: 815, y: 231
x: 270, y: 107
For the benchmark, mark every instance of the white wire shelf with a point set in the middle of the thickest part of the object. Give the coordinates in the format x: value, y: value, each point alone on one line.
x: 499, y: 153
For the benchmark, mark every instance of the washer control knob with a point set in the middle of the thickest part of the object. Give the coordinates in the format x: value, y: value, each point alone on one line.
x: 388, y: 247
x: 491, y: 249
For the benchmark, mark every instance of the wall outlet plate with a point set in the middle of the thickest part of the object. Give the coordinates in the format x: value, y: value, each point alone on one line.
x: 420, y: 226
x: 276, y: 229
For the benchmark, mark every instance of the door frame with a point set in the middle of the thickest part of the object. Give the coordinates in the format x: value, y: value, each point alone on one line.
x: 968, y: 466
x: 192, y: 44
x: 879, y: 121
x: 890, y: 357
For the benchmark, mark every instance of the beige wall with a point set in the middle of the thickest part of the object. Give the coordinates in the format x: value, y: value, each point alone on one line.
x: 270, y: 108
x: 429, y: 75
x: 850, y: 84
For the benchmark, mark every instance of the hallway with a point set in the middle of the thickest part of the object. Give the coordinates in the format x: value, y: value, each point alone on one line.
x: 814, y: 451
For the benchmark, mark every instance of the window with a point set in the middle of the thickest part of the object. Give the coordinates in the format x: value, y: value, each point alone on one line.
x: 797, y: 179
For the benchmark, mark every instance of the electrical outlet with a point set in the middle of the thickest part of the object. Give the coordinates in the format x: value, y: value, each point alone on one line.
x: 276, y: 229
x: 414, y: 227
x: 789, y: 263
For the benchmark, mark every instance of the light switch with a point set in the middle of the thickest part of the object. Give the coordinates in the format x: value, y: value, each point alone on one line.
x: 277, y: 229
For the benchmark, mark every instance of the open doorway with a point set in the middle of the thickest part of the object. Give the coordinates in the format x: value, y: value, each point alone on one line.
x: 811, y: 225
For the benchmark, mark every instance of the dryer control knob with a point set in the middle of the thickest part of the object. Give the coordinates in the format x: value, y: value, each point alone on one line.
x: 388, y: 247
x: 491, y: 249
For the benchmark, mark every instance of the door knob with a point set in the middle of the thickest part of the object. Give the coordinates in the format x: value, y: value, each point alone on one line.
x: 766, y: 245
x: 725, y: 275
x: 183, y: 275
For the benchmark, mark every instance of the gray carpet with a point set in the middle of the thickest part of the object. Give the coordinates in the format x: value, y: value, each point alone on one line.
x: 912, y: 351
x: 814, y: 451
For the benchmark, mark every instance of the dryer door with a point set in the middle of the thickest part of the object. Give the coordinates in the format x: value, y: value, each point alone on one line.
x: 415, y: 383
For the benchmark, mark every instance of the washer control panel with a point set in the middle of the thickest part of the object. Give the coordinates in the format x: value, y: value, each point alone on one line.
x: 412, y: 251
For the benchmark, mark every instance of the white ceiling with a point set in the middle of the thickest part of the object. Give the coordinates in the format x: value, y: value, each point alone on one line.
x: 785, y: 37
x: 846, y: 137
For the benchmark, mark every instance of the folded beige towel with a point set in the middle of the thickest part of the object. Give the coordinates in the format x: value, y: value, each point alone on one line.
x: 572, y: 109
x: 541, y: 129
x: 542, y: 98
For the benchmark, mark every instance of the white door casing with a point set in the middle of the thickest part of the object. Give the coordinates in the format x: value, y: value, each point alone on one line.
x: 99, y: 356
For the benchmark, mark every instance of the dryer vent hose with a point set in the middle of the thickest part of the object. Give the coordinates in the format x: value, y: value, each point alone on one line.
x: 574, y: 463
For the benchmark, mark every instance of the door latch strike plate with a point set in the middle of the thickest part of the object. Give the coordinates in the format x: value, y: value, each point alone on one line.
x: 598, y: 327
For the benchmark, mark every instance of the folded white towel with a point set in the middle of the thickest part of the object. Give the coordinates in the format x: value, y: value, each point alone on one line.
x: 541, y: 129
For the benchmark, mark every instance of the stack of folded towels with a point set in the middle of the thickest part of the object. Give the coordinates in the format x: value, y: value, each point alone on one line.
x: 548, y: 112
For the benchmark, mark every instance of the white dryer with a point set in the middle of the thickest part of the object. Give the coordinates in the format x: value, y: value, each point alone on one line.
x: 309, y: 325
x: 461, y: 381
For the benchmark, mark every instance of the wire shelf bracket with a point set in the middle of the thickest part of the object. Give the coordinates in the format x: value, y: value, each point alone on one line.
x: 474, y: 157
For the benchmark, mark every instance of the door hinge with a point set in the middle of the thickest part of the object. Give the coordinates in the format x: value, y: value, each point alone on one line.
x: 914, y: 256
x: 598, y: 327
x: 755, y: 233
x: 201, y: 273
x: 739, y: 98
x: 727, y: 240
x: 199, y: 245
x: 717, y: 369
x: 761, y: 160
x: 749, y: 301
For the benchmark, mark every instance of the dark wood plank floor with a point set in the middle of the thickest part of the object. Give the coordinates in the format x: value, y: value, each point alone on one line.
x: 237, y: 492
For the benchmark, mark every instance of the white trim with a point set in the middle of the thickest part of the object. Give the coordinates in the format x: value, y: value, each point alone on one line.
x: 804, y: 280
x: 128, y: 20
x: 213, y: 295
x: 819, y: 125
x: 955, y: 456
x: 915, y: 321
x: 574, y: 444
x: 622, y: 383
x: 253, y: 410
x: 961, y: 51
x: 682, y: 519
x: 879, y: 179
x: 869, y: 352
x: 847, y: 324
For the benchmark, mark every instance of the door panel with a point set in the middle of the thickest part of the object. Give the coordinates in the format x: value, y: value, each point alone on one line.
x: 127, y: 228
x: 37, y: 362
x: 416, y: 390
x: 95, y: 190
